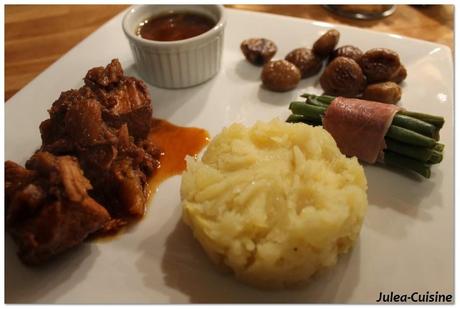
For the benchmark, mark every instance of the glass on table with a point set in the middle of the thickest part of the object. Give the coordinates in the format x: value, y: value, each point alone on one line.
x: 364, y: 12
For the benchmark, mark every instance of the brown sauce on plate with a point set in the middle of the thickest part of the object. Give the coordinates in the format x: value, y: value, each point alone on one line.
x: 174, y: 26
x: 176, y: 143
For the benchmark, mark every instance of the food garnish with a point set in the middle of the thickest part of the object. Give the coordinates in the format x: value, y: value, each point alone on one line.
x: 258, y: 51
x: 349, y: 72
x: 380, y: 64
x: 324, y: 46
x: 406, y: 139
x: 343, y: 76
x: 305, y: 60
x: 348, y: 51
x: 280, y: 75
x: 372, y: 75
x: 399, y: 75
x: 386, y: 92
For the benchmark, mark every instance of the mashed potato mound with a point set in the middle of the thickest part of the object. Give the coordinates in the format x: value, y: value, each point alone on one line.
x: 275, y: 202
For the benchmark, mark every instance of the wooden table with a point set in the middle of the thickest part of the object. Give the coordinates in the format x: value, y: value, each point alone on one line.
x: 37, y: 35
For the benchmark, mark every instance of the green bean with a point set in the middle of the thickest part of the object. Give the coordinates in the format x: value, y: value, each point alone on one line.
x: 410, y: 137
x: 422, y: 154
x: 401, y: 161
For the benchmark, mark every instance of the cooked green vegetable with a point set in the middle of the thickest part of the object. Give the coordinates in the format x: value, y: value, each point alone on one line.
x: 415, y: 125
x: 436, y: 157
x: 437, y: 121
x: 392, y: 158
x: 315, y: 112
x: 439, y: 147
x: 420, y: 153
x: 300, y: 118
x: 307, y: 110
x: 411, y: 139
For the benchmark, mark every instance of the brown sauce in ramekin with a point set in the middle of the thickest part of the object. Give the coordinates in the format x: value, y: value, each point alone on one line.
x: 174, y: 26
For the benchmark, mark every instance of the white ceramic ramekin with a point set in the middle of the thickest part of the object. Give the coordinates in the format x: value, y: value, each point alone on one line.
x: 176, y: 64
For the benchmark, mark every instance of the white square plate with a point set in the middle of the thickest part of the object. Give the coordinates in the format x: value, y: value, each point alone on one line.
x: 406, y: 244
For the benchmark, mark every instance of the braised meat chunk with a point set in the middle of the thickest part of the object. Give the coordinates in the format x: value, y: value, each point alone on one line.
x: 104, y: 124
x: 75, y: 125
x: 48, y: 209
x: 91, y: 171
x: 123, y: 99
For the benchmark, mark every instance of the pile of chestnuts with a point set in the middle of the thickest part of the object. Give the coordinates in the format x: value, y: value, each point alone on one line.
x: 373, y: 75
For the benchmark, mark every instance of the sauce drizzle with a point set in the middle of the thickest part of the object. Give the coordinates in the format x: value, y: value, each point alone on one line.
x: 176, y: 143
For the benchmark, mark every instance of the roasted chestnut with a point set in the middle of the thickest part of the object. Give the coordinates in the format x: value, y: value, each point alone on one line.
x: 348, y: 51
x: 326, y: 43
x: 344, y: 77
x: 386, y: 92
x: 379, y: 64
x: 258, y: 51
x: 280, y: 75
x: 306, y: 61
x: 399, y: 75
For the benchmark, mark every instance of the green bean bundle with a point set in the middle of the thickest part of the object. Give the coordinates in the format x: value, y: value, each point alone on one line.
x: 411, y: 140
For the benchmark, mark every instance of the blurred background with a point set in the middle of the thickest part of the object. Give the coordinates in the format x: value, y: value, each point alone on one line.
x: 38, y: 35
